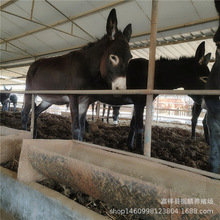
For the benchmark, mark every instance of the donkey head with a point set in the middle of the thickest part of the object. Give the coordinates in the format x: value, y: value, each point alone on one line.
x: 201, y: 70
x: 117, y: 54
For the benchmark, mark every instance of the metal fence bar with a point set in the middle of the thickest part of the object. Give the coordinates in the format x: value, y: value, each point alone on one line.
x: 117, y: 92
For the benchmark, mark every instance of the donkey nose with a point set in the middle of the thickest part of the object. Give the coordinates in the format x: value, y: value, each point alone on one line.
x: 119, y: 83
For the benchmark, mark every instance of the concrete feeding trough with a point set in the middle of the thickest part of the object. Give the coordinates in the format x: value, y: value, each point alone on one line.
x: 32, y: 200
x: 11, y: 142
x: 120, y: 179
x: 153, y: 188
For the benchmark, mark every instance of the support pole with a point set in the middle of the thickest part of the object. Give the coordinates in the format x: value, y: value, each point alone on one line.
x: 32, y: 114
x: 97, y: 110
x: 150, y: 82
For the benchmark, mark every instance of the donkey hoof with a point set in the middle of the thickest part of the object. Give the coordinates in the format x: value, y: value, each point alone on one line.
x: 130, y: 146
x: 193, y: 137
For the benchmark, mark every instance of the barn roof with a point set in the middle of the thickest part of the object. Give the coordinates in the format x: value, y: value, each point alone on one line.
x: 40, y: 28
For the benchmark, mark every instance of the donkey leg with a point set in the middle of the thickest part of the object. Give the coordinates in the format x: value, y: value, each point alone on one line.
x: 108, y: 113
x: 25, y: 111
x: 93, y: 108
x: 83, y: 108
x: 74, y: 109
x: 38, y: 110
x: 196, y: 110
x: 116, y: 110
x: 139, y: 109
x: 214, y: 131
x: 213, y: 122
x: 130, y: 141
x: 206, y: 130
x: 84, y: 125
x: 15, y: 107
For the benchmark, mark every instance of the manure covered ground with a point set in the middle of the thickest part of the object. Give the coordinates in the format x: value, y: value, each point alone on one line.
x: 169, y: 142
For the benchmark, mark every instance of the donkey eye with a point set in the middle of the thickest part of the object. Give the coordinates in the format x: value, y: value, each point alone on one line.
x: 114, y: 59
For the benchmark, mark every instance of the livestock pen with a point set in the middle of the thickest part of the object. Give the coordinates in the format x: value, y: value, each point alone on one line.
x: 139, y: 185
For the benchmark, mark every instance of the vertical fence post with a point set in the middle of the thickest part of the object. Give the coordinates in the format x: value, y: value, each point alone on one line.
x: 158, y: 106
x: 32, y: 114
x: 98, y: 110
x: 150, y: 82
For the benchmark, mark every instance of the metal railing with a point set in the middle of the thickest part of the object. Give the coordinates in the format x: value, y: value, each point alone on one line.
x: 149, y: 92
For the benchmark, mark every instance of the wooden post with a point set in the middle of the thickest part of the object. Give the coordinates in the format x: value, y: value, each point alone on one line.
x: 150, y: 82
x: 32, y: 115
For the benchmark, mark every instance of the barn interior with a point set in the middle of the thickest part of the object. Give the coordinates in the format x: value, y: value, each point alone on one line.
x: 34, y: 29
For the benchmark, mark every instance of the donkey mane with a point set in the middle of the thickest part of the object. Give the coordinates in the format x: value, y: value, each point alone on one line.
x: 89, y: 45
x: 118, y: 35
x: 184, y: 59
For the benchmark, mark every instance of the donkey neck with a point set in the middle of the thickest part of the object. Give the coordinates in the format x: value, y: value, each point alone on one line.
x: 173, y: 74
x: 94, y: 52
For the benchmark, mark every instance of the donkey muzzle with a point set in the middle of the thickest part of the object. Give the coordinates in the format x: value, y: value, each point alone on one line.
x: 119, y: 83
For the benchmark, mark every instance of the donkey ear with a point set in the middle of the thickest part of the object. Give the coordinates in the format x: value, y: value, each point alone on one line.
x: 112, y: 23
x: 7, y: 89
x: 205, y: 60
x: 127, y: 32
x: 200, y: 52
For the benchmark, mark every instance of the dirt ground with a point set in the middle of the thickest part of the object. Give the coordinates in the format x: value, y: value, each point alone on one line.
x: 170, y: 143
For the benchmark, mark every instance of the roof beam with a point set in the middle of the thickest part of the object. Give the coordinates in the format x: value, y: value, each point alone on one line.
x: 75, y: 48
x: 20, y: 75
x: 174, y: 42
x: 37, y: 56
x: 18, y: 48
x: 36, y: 22
x: 69, y: 19
x: 63, y: 21
x: 179, y: 26
x: 8, y: 3
x: 32, y: 9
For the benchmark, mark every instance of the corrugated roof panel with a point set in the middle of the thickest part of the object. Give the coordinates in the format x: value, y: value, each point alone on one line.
x: 9, y: 74
x: 95, y: 24
x: 131, y: 13
x: 204, y: 9
x: 74, y: 8
x: 73, y: 29
x: 10, y: 82
x: 172, y: 49
x: 172, y: 15
x: 176, y: 13
x: 10, y: 52
x: 100, y: 3
x: 26, y: 45
x: 16, y: 26
x: 190, y: 51
x: 22, y: 8
x: 57, y: 41
x: 6, y: 55
x: 44, y: 13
